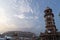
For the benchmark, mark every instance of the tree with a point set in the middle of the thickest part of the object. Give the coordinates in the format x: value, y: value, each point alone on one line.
x: 38, y: 38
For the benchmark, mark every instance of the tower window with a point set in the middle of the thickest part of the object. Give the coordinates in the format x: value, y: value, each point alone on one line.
x: 49, y: 23
x: 48, y: 19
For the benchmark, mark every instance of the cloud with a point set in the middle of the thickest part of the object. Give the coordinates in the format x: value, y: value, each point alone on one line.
x: 23, y: 6
x: 20, y: 15
x: 24, y: 9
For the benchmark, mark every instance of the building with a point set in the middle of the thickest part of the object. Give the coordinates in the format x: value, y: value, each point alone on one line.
x: 19, y: 35
x: 51, y: 33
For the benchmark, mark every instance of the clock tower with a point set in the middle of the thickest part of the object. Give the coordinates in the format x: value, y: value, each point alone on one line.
x: 51, y: 32
x: 49, y: 21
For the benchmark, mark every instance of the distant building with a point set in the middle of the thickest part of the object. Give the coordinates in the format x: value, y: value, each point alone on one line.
x: 51, y: 32
x: 18, y: 35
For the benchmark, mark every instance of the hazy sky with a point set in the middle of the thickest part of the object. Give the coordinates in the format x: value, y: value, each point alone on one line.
x: 26, y: 15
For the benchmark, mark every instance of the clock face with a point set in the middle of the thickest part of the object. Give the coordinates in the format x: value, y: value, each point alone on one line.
x: 49, y: 31
x: 48, y: 16
x: 48, y: 10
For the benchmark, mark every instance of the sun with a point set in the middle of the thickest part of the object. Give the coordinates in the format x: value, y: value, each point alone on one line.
x: 3, y: 17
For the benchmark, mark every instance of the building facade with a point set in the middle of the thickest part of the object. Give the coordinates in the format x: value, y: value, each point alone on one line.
x: 19, y: 35
x: 51, y: 32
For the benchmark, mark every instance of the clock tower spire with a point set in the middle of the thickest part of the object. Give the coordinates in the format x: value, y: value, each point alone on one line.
x: 49, y: 20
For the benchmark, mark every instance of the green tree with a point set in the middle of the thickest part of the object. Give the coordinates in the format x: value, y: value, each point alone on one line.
x: 38, y: 38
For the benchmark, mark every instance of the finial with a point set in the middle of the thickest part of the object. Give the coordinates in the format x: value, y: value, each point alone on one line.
x: 47, y: 7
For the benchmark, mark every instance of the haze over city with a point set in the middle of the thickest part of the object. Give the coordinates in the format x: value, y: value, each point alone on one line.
x: 26, y: 15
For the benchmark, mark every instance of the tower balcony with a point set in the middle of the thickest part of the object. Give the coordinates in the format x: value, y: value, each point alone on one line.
x: 48, y: 14
x: 47, y: 26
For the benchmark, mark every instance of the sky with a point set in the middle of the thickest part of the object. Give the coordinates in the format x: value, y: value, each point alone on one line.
x: 26, y: 15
